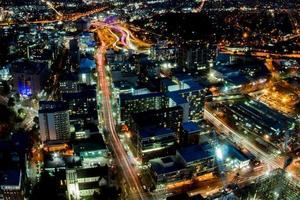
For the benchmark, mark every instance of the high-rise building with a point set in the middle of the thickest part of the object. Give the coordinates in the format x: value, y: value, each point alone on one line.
x: 188, y: 94
x: 130, y: 103
x: 82, y: 104
x: 156, y: 132
x: 54, y: 120
x: 155, y: 142
x: 166, y: 118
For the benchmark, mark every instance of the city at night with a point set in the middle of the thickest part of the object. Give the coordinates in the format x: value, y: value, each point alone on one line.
x: 149, y: 100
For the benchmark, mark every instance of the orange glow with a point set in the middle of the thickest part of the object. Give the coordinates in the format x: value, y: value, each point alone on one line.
x: 245, y: 35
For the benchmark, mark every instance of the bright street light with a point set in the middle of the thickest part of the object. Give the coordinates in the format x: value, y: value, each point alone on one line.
x: 219, y: 153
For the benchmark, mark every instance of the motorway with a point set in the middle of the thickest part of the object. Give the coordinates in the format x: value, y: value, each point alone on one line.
x: 113, y: 35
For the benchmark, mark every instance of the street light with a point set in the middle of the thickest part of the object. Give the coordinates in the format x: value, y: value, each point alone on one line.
x: 219, y: 153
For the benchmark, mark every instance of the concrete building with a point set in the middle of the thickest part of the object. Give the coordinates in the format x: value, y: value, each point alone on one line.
x: 92, y: 151
x: 171, y: 117
x: 190, y: 133
x: 54, y: 121
x: 155, y: 142
x: 130, y: 103
x: 82, y: 104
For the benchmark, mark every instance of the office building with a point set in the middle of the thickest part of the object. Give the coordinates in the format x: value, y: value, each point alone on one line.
x: 190, y: 133
x: 165, y: 118
x: 82, y: 104
x: 130, y: 103
x: 155, y: 142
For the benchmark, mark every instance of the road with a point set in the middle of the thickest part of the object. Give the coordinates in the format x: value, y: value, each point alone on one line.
x: 116, y: 36
x: 51, y: 6
x: 260, y: 54
x: 62, y: 17
x: 241, y: 139
x: 200, y: 6
x: 272, y: 161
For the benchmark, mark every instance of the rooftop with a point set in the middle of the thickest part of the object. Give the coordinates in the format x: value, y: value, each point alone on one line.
x: 10, y: 178
x: 88, y: 185
x: 94, y: 143
x: 165, y: 165
x: 100, y: 171
x: 196, y: 152
x: 190, y: 127
x: 156, y: 132
x: 52, y: 106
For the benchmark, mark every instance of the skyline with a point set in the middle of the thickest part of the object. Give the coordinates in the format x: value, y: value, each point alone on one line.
x: 128, y: 100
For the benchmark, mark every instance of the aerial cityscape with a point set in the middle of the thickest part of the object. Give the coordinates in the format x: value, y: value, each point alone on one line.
x: 149, y: 100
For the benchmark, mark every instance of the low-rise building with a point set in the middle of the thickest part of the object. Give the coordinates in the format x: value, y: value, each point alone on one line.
x: 198, y: 159
x: 11, y: 185
x: 85, y: 182
x: 155, y: 142
x: 190, y: 133
x: 167, y: 170
x: 92, y: 151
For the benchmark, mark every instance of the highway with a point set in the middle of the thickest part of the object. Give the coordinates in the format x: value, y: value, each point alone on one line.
x: 115, y: 36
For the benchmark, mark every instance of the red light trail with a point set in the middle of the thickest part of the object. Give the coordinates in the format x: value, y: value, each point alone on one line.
x: 105, y: 33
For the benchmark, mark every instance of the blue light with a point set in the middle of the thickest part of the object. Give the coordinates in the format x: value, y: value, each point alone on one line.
x: 24, y: 89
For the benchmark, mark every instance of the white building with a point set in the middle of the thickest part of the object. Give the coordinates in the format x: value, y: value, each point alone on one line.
x: 84, y: 182
x: 54, y: 121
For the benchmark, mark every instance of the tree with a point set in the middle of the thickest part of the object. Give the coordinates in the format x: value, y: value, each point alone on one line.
x: 21, y: 114
x: 46, y: 189
x: 36, y: 120
x: 11, y: 102
x: 7, y: 120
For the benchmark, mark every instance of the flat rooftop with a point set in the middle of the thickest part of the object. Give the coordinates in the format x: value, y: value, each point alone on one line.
x: 190, y: 127
x: 156, y: 132
x: 196, y: 152
x: 261, y: 114
x: 10, y: 177
x: 165, y: 165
